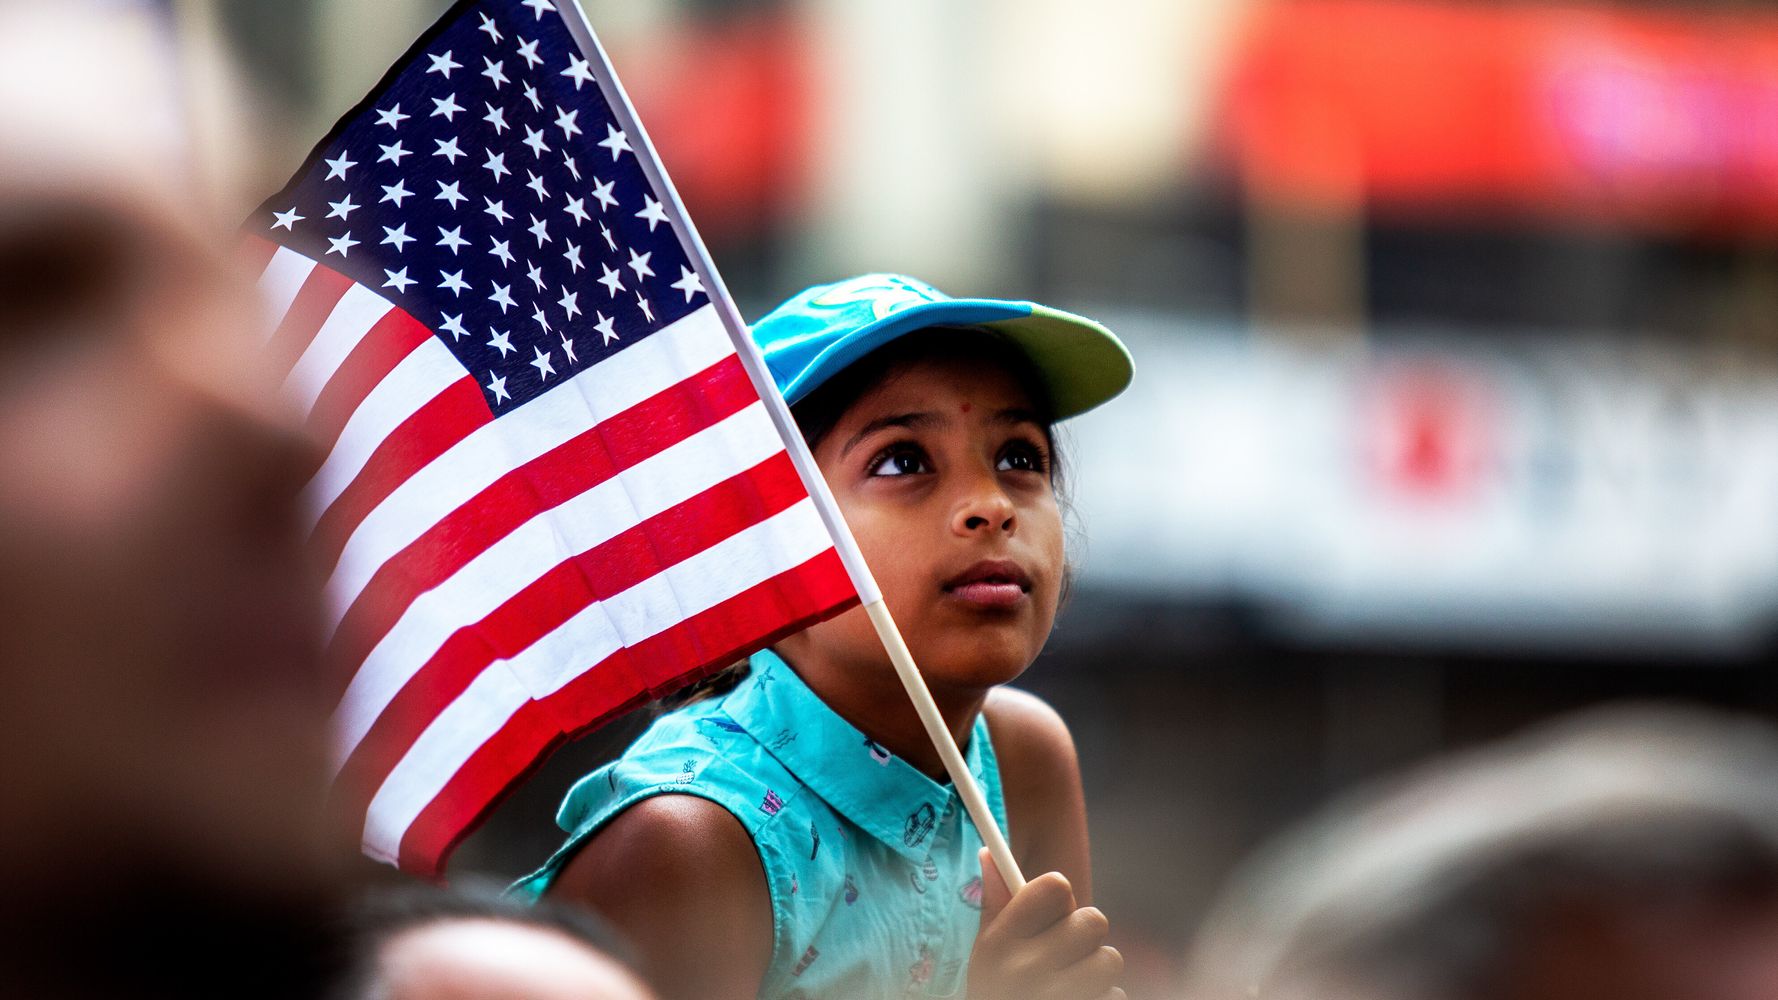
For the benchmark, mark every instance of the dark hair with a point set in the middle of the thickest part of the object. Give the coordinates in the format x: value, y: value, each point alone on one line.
x: 381, y: 915
x: 818, y: 413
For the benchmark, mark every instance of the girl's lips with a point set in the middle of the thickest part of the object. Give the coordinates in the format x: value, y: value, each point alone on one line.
x: 991, y: 583
x: 988, y: 595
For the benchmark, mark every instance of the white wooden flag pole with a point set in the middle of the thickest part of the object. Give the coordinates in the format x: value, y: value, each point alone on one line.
x: 862, y: 580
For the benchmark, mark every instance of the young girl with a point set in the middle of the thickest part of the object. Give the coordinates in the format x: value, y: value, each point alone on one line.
x: 795, y: 835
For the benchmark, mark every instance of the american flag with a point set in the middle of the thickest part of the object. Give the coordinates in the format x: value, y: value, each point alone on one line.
x: 551, y: 490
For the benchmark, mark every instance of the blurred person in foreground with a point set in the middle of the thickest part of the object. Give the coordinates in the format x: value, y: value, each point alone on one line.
x: 161, y: 728
x: 425, y: 943
x: 1627, y: 853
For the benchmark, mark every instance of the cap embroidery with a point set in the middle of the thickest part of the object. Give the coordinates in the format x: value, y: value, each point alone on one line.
x: 885, y: 294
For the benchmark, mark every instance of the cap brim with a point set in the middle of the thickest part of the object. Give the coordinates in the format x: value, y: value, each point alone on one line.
x: 1082, y: 363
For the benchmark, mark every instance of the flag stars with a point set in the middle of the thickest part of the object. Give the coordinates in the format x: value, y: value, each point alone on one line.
x: 534, y: 139
x: 616, y: 141
x: 443, y: 64
x: 502, y: 297
x: 497, y: 386
x: 395, y: 192
x: 689, y: 282
x: 572, y: 256
x: 496, y: 117
x: 540, y: 319
x: 453, y: 325
x: 539, y: 7
x: 497, y: 165
x: 652, y: 212
x: 397, y: 237
x: 453, y: 283
x: 602, y: 192
x: 445, y: 107
x: 398, y: 280
x: 449, y: 149
x: 639, y: 264
x: 647, y: 310
x: 570, y: 302
x: 610, y: 241
x: 568, y: 349
x: 568, y: 161
x: 531, y: 95
x: 535, y: 273
x: 391, y: 117
x: 497, y: 209
x: 287, y: 220
x: 449, y: 192
x: 579, y: 70
x: 528, y: 52
x: 337, y: 167
x: 612, y: 281
x: 542, y: 363
x: 565, y: 120
x: 502, y: 342
x: 452, y: 239
x: 341, y: 209
x: 489, y: 28
x: 536, y: 184
x: 503, y: 250
x: 540, y: 230
x: 495, y: 72
x: 606, y: 326
x: 393, y: 154
x: 341, y: 245
x: 577, y: 208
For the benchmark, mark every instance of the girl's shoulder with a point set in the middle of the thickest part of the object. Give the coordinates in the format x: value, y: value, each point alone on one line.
x: 1031, y: 740
x: 1040, y: 782
x: 698, y: 751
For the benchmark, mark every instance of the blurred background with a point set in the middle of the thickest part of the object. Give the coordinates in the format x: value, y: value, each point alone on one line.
x: 1455, y: 321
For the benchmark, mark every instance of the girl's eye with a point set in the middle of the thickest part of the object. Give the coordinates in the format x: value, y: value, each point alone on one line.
x: 900, y: 460
x: 1021, y: 456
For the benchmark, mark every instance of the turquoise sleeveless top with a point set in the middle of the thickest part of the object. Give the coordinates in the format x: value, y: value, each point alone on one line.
x: 875, y: 885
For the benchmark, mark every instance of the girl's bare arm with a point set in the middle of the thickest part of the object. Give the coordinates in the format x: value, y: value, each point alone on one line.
x: 680, y: 878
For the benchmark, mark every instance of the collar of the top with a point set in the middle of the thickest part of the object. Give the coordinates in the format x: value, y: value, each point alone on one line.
x: 884, y: 795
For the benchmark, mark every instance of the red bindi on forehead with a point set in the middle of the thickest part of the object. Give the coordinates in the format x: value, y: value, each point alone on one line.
x: 965, y: 407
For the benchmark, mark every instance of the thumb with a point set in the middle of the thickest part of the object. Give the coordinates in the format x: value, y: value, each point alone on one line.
x: 995, y: 894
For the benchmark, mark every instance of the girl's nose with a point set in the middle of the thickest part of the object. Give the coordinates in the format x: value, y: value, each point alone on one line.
x: 986, y: 507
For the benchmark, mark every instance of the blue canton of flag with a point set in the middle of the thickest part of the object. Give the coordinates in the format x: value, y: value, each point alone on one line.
x: 486, y: 188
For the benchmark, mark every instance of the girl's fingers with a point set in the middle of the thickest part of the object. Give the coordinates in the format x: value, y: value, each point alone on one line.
x: 995, y: 894
x: 1073, y: 938
x: 1094, y: 976
x: 1040, y: 905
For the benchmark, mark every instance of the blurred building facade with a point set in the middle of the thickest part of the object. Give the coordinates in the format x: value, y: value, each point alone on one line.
x: 1456, y: 325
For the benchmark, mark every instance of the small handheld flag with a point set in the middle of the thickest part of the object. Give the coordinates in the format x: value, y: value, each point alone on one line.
x: 552, y: 490
x: 559, y: 481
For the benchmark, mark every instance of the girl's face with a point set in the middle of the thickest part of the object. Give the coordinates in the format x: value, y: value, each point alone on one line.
x: 942, y: 469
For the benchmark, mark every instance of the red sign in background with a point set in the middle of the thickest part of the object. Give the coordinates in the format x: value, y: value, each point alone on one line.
x: 1651, y: 119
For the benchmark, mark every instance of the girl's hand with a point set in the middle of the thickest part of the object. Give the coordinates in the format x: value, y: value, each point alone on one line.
x: 1038, y: 945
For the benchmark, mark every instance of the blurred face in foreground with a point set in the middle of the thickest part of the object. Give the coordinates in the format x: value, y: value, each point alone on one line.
x: 477, y: 959
x: 160, y: 722
x: 942, y: 469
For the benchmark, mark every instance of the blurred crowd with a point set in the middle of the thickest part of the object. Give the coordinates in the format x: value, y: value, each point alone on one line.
x: 162, y: 758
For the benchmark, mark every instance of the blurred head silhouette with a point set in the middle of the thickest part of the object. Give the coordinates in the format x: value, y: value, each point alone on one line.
x: 1628, y: 853
x: 161, y: 756
x: 470, y: 943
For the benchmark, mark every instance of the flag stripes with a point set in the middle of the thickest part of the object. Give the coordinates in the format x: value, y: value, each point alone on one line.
x: 639, y: 521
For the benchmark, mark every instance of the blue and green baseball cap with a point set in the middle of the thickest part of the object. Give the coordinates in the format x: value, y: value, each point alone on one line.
x: 822, y: 330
